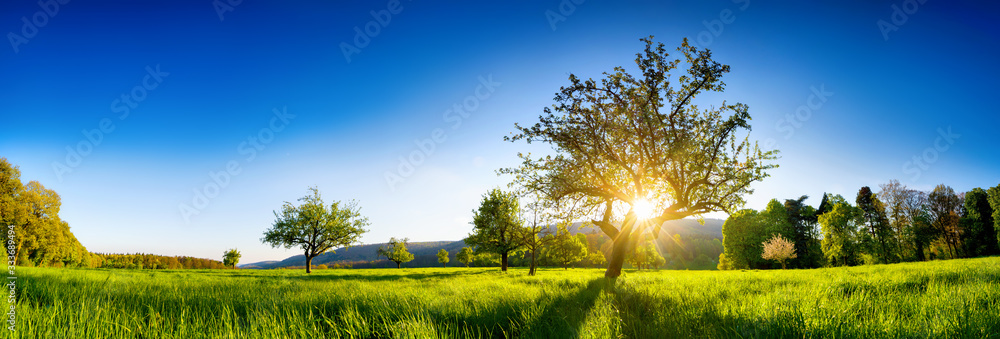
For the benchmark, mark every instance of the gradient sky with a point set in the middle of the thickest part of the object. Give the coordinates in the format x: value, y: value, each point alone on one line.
x: 222, y: 77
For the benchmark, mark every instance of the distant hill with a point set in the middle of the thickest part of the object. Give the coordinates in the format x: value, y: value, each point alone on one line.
x: 425, y: 253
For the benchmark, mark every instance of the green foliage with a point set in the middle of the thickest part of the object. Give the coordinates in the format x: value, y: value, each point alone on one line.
x: 840, y: 233
x: 878, y: 240
x: 980, y: 233
x: 41, y: 237
x: 742, y: 236
x: 466, y: 256
x: 565, y: 249
x: 231, y: 258
x: 443, y: 257
x: 629, y: 137
x: 498, y: 226
x: 646, y: 256
x: 596, y: 259
x: 395, y: 251
x: 944, y: 207
x: 315, y: 227
x: 152, y: 261
x: 993, y: 196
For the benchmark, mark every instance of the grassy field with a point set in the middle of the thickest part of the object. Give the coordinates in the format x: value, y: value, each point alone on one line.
x: 958, y: 298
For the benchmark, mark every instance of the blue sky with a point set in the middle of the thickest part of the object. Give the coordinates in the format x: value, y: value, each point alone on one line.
x: 345, y: 123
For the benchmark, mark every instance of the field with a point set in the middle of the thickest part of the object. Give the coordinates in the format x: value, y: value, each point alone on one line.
x: 958, y: 298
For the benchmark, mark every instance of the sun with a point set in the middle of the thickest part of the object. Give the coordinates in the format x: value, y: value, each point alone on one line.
x: 644, y: 209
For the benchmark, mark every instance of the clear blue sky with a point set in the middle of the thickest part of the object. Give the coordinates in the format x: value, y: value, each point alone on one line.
x: 221, y: 78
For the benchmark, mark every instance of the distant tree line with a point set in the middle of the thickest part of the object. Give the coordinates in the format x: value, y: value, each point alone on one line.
x: 153, y: 261
x: 893, y: 225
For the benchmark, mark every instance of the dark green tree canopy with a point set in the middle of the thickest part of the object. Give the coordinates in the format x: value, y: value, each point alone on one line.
x: 315, y: 226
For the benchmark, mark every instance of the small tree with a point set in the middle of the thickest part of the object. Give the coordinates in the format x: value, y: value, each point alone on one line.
x: 466, y: 256
x: 443, y: 258
x: 497, y: 225
x: 535, y: 235
x: 396, y: 251
x: 231, y: 258
x: 565, y: 249
x: 653, y: 257
x: 779, y: 249
x: 315, y: 226
x: 596, y: 258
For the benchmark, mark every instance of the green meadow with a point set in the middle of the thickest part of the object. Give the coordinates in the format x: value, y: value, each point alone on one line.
x: 955, y: 298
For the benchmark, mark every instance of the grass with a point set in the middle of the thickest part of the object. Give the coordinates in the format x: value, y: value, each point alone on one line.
x: 957, y: 298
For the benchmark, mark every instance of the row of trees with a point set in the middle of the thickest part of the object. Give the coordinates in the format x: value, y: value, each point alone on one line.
x: 152, y: 261
x: 896, y: 224
x: 502, y: 228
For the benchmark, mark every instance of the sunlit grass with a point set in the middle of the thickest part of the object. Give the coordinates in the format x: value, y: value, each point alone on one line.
x: 959, y: 298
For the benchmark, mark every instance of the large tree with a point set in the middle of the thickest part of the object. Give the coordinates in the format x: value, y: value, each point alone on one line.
x: 879, y: 239
x: 41, y: 237
x: 839, y: 228
x: 993, y: 196
x: 944, y: 207
x: 315, y: 226
x: 637, y: 141
x: 395, y: 250
x: 498, y: 225
x: 978, y: 215
x: 742, y: 236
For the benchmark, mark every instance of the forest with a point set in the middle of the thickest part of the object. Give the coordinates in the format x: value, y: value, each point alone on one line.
x: 895, y: 224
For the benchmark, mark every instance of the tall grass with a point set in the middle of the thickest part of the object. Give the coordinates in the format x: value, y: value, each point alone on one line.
x: 957, y: 298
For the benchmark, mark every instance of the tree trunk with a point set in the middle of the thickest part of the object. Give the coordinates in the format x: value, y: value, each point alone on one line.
x: 503, y: 262
x: 531, y: 270
x: 620, y: 249
x: 399, y: 265
x: 617, y: 258
x: 309, y: 262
